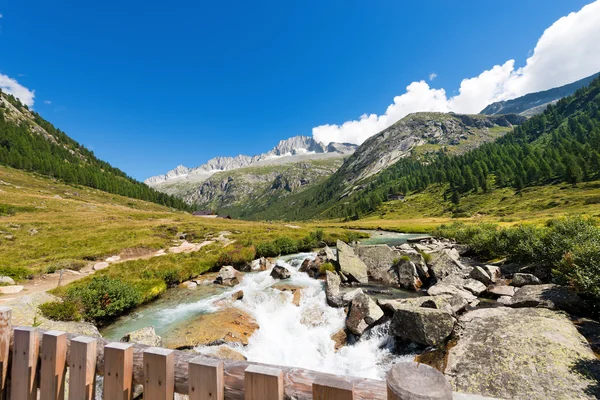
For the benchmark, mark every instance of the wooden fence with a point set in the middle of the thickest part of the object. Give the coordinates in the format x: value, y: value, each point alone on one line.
x: 34, y: 364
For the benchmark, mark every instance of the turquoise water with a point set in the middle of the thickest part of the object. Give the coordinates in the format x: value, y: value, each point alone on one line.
x: 390, y: 238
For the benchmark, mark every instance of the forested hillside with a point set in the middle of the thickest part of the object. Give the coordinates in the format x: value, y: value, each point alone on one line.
x: 560, y: 145
x: 29, y: 142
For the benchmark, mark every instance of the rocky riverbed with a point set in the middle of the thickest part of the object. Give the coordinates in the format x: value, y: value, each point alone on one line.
x: 494, y: 330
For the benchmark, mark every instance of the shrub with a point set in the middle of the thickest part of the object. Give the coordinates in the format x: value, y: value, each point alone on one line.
x: 102, y: 298
x: 237, y: 255
x: 327, y: 266
x: 61, y: 311
x: 266, y: 249
x: 286, y: 245
x: 17, y: 273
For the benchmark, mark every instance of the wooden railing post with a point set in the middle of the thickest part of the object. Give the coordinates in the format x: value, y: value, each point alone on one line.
x: 24, y: 364
x: 82, y: 368
x: 205, y: 379
x: 54, y: 365
x: 118, y: 371
x: 5, y: 334
x: 332, y: 389
x: 413, y: 381
x: 263, y: 383
x: 159, y: 374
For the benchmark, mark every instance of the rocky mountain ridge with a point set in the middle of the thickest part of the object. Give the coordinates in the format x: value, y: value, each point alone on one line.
x: 419, y: 133
x: 287, y: 151
x: 535, y: 103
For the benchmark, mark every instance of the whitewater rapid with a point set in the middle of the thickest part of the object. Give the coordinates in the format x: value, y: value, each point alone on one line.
x: 300, y: 336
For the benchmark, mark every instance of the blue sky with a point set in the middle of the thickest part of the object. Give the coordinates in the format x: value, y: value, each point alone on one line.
x: 149, y: 85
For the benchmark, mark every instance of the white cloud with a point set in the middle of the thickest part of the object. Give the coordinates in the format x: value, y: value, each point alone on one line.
x: 567, y: 51
x: 47, y: 101
x: 1, y: 16
x: 11, y: 86
x: 432, y: 76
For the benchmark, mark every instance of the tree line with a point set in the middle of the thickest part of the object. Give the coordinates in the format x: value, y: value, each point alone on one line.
x: 560, y: 145
x: 24, y: 146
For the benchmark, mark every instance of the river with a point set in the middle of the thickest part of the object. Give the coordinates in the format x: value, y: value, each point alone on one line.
x: 289, y: 335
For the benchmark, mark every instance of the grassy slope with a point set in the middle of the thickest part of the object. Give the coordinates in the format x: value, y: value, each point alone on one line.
x: 82, y: 224
x: 424, y: 211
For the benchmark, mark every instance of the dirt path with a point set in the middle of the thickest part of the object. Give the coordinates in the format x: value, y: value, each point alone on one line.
x: 46, y: 282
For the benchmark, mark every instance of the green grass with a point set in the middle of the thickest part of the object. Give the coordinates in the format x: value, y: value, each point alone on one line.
x: 70, y: 227
x: 423, y: 212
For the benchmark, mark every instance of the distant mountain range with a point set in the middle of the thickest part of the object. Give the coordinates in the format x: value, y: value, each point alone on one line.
x: 295, y: 149
x: 535, y: 103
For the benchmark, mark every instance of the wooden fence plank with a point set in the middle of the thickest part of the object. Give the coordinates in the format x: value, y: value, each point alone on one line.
x: 205, y: 379
x: 82, y: 368
x: 54, y: 365
x: 159, y: 374
x: 5, y: 334
x: 332, y: 389
x: 24, y: 364
x: 263, y: 383
x: 118, y: 371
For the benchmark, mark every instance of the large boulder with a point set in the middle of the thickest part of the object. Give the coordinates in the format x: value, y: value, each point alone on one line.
x: 481, y: 275
x: 444, y: 263
x: 363, y: 313
x: 380, y: 261
x: 550, y: 296
x: 261, y: 264
x: 230, y: 325
x: 452, y: 304
x: 408, y: 276
x: 501, y: 290
x: 145, y: 336
x: 528, y: 353
x: 469, y: 284
x: 332, y: 289
x: 279, y: 272
x: 444, y: 288
x: 416, y: 258
x: 520, y: 279
x: 228, y: 276
x: 423, y: 325
x: 350, y: 264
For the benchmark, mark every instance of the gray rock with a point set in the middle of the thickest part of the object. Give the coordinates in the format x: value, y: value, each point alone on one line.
x: 524, y: 279
x: 501, y: 290
x: 100, y: 265
x: 550, y: 296
x: 332, y: 289
x: 474, y: 286
x: 350, y: 264
x: 228, y: 276
x: 279, y: 272
x: 416, y: 381
x: 481, y: 275
x: 379, y: 260
x: 416, y: 258
x: 363, y: 313
x: 443, y: 288
x: 329, y: 255
x: 145, y: 336
x: 7, y: 280
x: 505, y: 300
x: 527, y: 353
x: 349, y: 296
x: 261, y: 264
x: 427, y: 326
x: 452, y: 304
x: 494, y: 272
x: 189, y: 285
x: 444, y: 264
x: 408, y: 277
